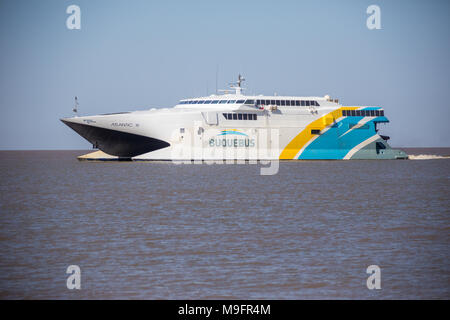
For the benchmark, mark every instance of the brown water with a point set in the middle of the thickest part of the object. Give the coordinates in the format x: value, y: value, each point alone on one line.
x: 159, y: 230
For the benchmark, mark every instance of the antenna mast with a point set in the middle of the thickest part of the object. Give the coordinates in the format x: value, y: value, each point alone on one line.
x: 217, y: 76
x: 75, y: 107
x: 237, y: 85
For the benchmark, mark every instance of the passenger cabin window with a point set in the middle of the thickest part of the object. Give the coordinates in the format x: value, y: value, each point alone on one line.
x: 315, y: 131
x: 363, y: 113
x: 240, y: 116
x: 282, y: 103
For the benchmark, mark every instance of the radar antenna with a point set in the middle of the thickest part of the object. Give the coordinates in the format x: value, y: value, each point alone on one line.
x: 237, y: 85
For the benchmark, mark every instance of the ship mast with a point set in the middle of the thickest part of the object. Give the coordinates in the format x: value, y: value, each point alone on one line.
x: 237, y: 85
x: 75, y: 107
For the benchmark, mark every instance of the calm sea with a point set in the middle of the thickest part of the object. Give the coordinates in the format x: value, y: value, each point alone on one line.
x: 155, y: 230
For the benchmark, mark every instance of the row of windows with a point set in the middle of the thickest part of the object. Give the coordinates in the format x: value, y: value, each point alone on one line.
x: 363, y: 113
x: 240, y: 116
x: 298, y: 103
x: 218, y: 101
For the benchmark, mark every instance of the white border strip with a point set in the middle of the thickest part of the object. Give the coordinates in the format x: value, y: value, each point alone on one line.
x: 360, y: 146
x: 358, y: 125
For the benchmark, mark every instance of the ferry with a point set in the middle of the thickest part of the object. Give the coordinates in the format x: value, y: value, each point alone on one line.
x: 234, y: 126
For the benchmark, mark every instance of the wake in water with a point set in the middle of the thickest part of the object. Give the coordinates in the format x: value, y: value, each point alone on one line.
x: 427, y: 157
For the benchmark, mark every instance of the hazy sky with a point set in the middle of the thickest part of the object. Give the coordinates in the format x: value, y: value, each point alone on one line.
x: 132, y: 55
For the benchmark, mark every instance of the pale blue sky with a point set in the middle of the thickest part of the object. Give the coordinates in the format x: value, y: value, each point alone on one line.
x: 132, y: 55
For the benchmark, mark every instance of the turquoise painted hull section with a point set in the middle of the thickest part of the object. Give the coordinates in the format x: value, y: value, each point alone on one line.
x: 343, y: 138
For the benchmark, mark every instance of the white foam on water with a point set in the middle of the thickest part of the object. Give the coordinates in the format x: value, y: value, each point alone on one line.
x: 427, y: 157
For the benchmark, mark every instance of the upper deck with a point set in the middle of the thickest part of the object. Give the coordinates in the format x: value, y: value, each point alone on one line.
x: 289, y: 101
x: 238, y: 99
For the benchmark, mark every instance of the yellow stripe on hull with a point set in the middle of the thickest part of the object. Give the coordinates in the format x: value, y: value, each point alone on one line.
x: 296, y: 144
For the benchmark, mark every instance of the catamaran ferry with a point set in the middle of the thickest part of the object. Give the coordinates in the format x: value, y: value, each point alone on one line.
x: 234, y: 126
